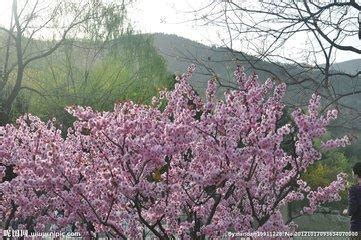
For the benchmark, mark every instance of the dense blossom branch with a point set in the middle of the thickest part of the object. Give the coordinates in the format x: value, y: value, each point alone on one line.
x: 196, y: 168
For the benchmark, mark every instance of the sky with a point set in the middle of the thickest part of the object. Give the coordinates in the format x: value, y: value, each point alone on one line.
x: 172, y: 17
x: 175, y: 17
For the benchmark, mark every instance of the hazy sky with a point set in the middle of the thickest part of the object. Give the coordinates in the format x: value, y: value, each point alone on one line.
x: 170, y: 16
x: 173, y: 17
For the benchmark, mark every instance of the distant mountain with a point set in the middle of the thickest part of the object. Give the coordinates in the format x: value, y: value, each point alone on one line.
x: 350, y: 67
x: 180, y: 52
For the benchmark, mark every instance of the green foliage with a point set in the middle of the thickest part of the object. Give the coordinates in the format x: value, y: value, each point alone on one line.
x: 129, y: 68
x: 323, y: 172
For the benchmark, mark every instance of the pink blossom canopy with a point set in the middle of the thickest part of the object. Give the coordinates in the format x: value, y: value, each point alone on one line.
x: 183, y: 167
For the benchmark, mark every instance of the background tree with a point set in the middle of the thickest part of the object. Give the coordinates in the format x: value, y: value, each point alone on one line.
x: 35, y: 19
x: 97, y: 75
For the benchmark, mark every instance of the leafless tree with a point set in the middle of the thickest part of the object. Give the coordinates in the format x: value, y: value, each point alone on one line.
x: 52, y: 22
x: 298, y: 39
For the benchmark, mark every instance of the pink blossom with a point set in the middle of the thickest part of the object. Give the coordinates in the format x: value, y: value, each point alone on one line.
x: 197, y: 168
x: 336, y: 143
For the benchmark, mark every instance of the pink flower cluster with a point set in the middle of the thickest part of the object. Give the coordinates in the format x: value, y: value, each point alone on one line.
x: 336, y: 143
x: 327, y: 194
x: 195, y: 168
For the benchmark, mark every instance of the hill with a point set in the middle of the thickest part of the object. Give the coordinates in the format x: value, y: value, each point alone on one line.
x: 180, y: 52
x: 350, y: 67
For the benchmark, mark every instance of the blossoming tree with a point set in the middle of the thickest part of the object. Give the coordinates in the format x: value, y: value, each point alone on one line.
x: 190, y: 169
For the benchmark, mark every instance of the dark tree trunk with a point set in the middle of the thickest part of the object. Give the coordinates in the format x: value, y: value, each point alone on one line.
x: 4, y: 118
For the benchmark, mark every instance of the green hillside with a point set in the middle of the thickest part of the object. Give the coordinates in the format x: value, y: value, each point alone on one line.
x: 91, y: 74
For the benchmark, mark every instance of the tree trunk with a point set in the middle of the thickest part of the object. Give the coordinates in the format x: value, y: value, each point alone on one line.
x: 8, y: 102
x: 4, y: 118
